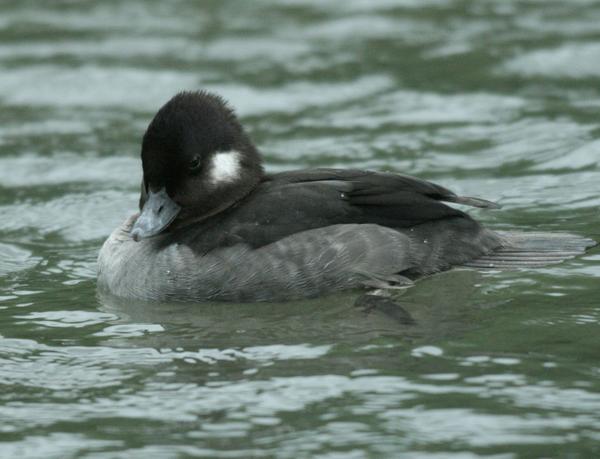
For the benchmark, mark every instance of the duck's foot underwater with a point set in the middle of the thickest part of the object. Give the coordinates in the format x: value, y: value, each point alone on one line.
x: 381, y: 301
x: 390, y: 282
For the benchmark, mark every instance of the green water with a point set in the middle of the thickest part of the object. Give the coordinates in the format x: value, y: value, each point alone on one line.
x: 498, y: 99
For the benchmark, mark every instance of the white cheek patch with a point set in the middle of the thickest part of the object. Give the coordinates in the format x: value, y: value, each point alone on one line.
x: 225, y: 167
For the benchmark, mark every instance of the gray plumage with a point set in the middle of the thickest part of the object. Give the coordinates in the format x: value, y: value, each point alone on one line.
x: 306, y: 264
x: 314, y: 262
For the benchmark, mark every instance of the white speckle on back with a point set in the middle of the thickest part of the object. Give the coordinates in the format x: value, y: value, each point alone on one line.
x: 225, y: 167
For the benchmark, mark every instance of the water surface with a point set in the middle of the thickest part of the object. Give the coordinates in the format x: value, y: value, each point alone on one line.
x: 497, y: 99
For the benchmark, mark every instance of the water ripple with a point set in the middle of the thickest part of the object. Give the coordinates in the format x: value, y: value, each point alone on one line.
x: 14, y: 258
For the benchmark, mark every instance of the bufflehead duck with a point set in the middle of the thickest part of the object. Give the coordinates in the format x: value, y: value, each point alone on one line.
x: 214, y: 226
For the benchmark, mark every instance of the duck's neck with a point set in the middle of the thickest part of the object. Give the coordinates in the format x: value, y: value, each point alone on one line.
x: 224, y: 194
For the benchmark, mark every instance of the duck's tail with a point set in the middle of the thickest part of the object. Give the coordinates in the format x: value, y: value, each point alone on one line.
x: 532, y: 250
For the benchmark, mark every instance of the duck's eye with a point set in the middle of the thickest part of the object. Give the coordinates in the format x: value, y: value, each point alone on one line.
x: 195, y: 164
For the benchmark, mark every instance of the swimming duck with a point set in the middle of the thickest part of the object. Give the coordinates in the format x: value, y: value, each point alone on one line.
x: 214, y: 226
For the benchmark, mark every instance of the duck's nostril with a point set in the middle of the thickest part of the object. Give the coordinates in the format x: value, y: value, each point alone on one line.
x: 160, y: 209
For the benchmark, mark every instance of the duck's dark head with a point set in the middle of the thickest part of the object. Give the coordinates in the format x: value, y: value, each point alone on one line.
x: 197, y: 161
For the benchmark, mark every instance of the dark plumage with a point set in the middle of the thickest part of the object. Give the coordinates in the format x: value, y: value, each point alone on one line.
x: 214, y: 226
